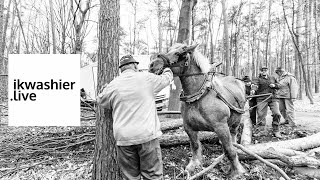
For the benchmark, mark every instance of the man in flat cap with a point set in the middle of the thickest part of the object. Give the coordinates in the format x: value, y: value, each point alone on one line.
x: 287, y: 93
x: 136, y: 126
x: 252, y: 101
x: 262, y: 85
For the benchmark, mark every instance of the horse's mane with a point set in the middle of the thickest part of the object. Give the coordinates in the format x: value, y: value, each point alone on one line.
x: 201, y: 61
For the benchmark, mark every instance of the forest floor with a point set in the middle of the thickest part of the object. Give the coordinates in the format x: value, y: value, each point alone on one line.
x: 45, y: 153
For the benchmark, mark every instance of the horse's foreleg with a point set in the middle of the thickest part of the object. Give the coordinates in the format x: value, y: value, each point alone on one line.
x: 223, y: 133
x: 195, y: 148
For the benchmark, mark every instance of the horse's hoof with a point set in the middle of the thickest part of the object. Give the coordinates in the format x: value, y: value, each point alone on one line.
x: 193, y: 164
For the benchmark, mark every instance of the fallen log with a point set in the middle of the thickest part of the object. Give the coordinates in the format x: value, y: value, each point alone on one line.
x: 299, y: 160
x: 288, y: 147
x: 283, y: 174
x: 172, y: 124
x: 265, y: 153
x: 310, y: 172
x: 246, y: 135
x: 183, y: 138
x: 299, y: 144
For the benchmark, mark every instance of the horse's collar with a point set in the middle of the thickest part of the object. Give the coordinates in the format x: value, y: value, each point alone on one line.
x: 197, y: 95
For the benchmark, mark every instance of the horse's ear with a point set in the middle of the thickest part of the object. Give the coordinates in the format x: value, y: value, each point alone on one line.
x: 191, y: 47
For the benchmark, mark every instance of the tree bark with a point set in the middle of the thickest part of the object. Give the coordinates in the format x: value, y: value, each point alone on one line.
x: 1, y: 39
x: 54, y: 44
x: 268, y: 34
x: 226, y: 44
x: 20, y: 22
x: 4, y: 38
x: 104, y: 163
x: 183, y: 34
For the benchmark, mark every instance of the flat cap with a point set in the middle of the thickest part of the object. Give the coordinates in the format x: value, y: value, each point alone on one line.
x: 127, y: 59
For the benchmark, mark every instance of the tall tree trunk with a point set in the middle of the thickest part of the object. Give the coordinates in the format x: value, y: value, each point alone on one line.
x: 211, y: 31
x: 297, y: 46
x: 12, y: 33
x: 249, y: 40
x: 300, y: 58
x: 104, y: 163
x: 54, y: 46
x: 5, y: 33
x: 159, y: 14
x: 183, y: 34
x: 307, y: 50
x: 20, y: 22
x: 317, y: 48
x: 268, y: 34
x: 226, y: 44
x: 1, y: 40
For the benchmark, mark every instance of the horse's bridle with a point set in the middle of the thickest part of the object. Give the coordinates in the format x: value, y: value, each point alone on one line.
x: 183, y: 66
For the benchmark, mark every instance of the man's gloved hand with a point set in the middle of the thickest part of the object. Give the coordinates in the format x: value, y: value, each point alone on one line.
x: 272, y: 85
x: 166, y: 70
x: 102, y: 88
x: 252, y: 92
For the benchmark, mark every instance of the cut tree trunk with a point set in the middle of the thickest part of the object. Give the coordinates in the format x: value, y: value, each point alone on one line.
x: 246, y: 135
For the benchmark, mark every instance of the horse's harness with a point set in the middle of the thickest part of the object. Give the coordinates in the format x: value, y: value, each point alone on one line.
x: 206, y: 85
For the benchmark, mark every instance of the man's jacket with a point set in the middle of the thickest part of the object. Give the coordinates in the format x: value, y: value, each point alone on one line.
x: 262, y: 86
x: 130, y: 96
x: 288, y: 86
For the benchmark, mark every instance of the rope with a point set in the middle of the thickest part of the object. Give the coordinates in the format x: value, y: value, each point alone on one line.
x: 259, y: 103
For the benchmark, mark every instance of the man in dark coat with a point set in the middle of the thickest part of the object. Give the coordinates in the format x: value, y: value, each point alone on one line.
x: 262, y: 85
x: 252, y: 101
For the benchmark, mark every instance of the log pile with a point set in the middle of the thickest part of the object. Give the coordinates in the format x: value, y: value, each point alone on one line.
x: 290, y: 153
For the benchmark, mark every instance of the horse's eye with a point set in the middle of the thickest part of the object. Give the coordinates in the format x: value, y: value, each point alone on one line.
x: 177, y: 54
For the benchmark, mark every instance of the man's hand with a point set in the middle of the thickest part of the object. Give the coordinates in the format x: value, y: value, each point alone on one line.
x: 102, y: 88
x: 252, y: 92
x: 272, y: 85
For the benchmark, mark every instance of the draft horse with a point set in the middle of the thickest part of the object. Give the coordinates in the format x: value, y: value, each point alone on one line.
x: 209, y: 102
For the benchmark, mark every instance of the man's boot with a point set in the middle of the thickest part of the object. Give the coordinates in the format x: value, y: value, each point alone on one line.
x: 275, y: 125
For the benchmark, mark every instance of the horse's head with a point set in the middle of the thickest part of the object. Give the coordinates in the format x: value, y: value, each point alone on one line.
x: 176, y: 58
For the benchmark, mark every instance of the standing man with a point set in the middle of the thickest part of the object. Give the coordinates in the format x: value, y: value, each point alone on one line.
x: 262, y: 85
x: 136, y: 125
x: 252, y: 101
x: 287, y: 94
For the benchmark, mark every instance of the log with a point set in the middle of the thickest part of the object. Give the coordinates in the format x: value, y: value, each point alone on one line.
x: 283, y: 174
x: 183, y: 139
x: 310, y: 172
x: 314, y: 152
x: 299, y: 160
x: 172, y: 124
x: 246, y: 135
x: 265, y: 153
x: 288, y: 147
x: 274, y: 161
x: 299, y: 144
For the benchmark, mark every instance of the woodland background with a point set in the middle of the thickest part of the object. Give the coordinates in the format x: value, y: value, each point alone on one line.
x: 243, y: 34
